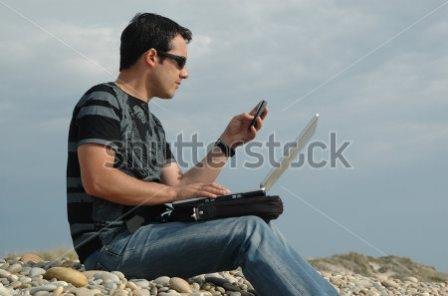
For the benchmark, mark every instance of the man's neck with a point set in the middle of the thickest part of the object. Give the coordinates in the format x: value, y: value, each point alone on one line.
x: 133, y: 86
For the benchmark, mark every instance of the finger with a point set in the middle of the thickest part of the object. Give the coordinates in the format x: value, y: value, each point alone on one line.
x: 207, y: 194
x: 265, y: 112
x: 247, y: 116
x: 259, y: 123
x: 222, y: 187
x: 253, y: 131
x: 215, y: 189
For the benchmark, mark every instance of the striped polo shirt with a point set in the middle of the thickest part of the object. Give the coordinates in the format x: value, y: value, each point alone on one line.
x: 108, y: 116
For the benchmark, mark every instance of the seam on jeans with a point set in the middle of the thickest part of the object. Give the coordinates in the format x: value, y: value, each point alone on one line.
x: 280, y: 268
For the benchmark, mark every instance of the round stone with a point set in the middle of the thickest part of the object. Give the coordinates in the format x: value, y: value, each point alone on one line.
x: 35, y: 271
x: 15, y: 268
x: 105, y: 276
x: 132, y: 286
x: 119, y: 274
x: 4, y: 292
x: 47, y: 288
x: 170, y: 293
x: 411, y: 279
x: 31, y: 257
x: 180, y: 285
x: 163, y: 280
x: 4, y: 273
x: 69, y: 275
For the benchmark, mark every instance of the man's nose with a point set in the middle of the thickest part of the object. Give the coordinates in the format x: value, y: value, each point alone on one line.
x: 184, y: 73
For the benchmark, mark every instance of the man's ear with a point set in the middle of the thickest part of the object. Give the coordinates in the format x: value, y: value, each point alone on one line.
x: 150, y: 57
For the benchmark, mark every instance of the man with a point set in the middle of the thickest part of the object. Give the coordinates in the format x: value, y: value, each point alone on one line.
x: 121, y: 172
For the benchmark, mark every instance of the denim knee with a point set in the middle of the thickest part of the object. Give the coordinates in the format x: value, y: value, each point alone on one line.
x: 254, y: 228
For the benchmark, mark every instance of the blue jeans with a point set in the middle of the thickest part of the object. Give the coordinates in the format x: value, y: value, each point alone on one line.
x: 188, y: 249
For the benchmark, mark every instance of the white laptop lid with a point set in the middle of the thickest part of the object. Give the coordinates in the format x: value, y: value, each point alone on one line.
x: 303, y: 138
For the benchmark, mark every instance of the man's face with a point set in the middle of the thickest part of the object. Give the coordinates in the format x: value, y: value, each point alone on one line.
x: 168, y: 73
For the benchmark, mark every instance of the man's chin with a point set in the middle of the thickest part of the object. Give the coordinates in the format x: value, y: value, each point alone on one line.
x: 166, y: 96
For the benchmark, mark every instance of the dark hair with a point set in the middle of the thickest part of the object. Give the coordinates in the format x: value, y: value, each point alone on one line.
x: 146, y: 31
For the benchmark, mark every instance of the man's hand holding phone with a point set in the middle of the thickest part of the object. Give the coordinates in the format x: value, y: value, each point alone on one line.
x: 243, y: 128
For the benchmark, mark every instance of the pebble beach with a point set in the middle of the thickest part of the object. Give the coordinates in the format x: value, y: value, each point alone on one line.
x: 29, y: 274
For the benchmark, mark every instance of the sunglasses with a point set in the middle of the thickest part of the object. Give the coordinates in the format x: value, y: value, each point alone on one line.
x: 180, y: 60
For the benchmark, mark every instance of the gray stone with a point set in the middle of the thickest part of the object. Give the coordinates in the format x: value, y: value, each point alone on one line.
x: 162, y: 280
x: 198, y: 279
x: 141, y: 282
x: 170, y: 293
x: 4, y: 292
x: 110, y: 285
x: 104, y: 275
x: 201, y: 293
x: 4, y: 273
x: 216, y: 280
x: 47, y: 287
x: 35, y: 271
x: 25, y: 279
x: 84, y: 291
x: 42, y: 293
x: 230, y: 287
x: 15, y: 268
x: 119, y: 274
x: 26, y: 270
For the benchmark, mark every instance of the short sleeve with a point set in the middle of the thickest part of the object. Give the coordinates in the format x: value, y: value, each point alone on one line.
x: 98, y: 120
x: 168, y: 155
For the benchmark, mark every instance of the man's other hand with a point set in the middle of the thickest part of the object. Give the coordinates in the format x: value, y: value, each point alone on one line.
x: 239, y: 131
x: 211, y: 190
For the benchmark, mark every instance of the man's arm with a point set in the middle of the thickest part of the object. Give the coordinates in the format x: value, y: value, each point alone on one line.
x: 100, y: 179
x: 238, y: 132
x: 205, y: 171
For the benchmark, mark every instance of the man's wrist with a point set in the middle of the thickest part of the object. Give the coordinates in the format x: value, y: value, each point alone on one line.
x: 173, y: 193
x: 225, y: 148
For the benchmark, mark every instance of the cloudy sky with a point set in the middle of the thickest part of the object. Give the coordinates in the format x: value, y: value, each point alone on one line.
x: 376, y: 72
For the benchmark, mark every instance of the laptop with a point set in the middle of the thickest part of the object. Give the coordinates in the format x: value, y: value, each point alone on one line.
x: 275, y: 173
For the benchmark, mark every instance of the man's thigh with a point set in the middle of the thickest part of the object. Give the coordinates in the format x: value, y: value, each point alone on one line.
x: 183, y: 249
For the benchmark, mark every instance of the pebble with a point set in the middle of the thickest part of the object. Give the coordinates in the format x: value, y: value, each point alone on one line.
x: 31, y: 257
x: 76, y: 278
x: 48, y: 288
x: 180, y: 285
x: 162, y: 280
x: 66, y: 277
x: 107, y: 276
x: 15, y: 268
x: 170, y: 293
x: 35, y: 271
x: 141, y: 283
x: 4, y: 292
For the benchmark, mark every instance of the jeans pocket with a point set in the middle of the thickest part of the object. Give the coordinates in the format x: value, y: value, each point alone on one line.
x: 115, y: 242
x: 116, y: 247
x: 107, y: 260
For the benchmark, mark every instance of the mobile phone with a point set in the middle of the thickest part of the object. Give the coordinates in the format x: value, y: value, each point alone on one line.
x: 260, y: 108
